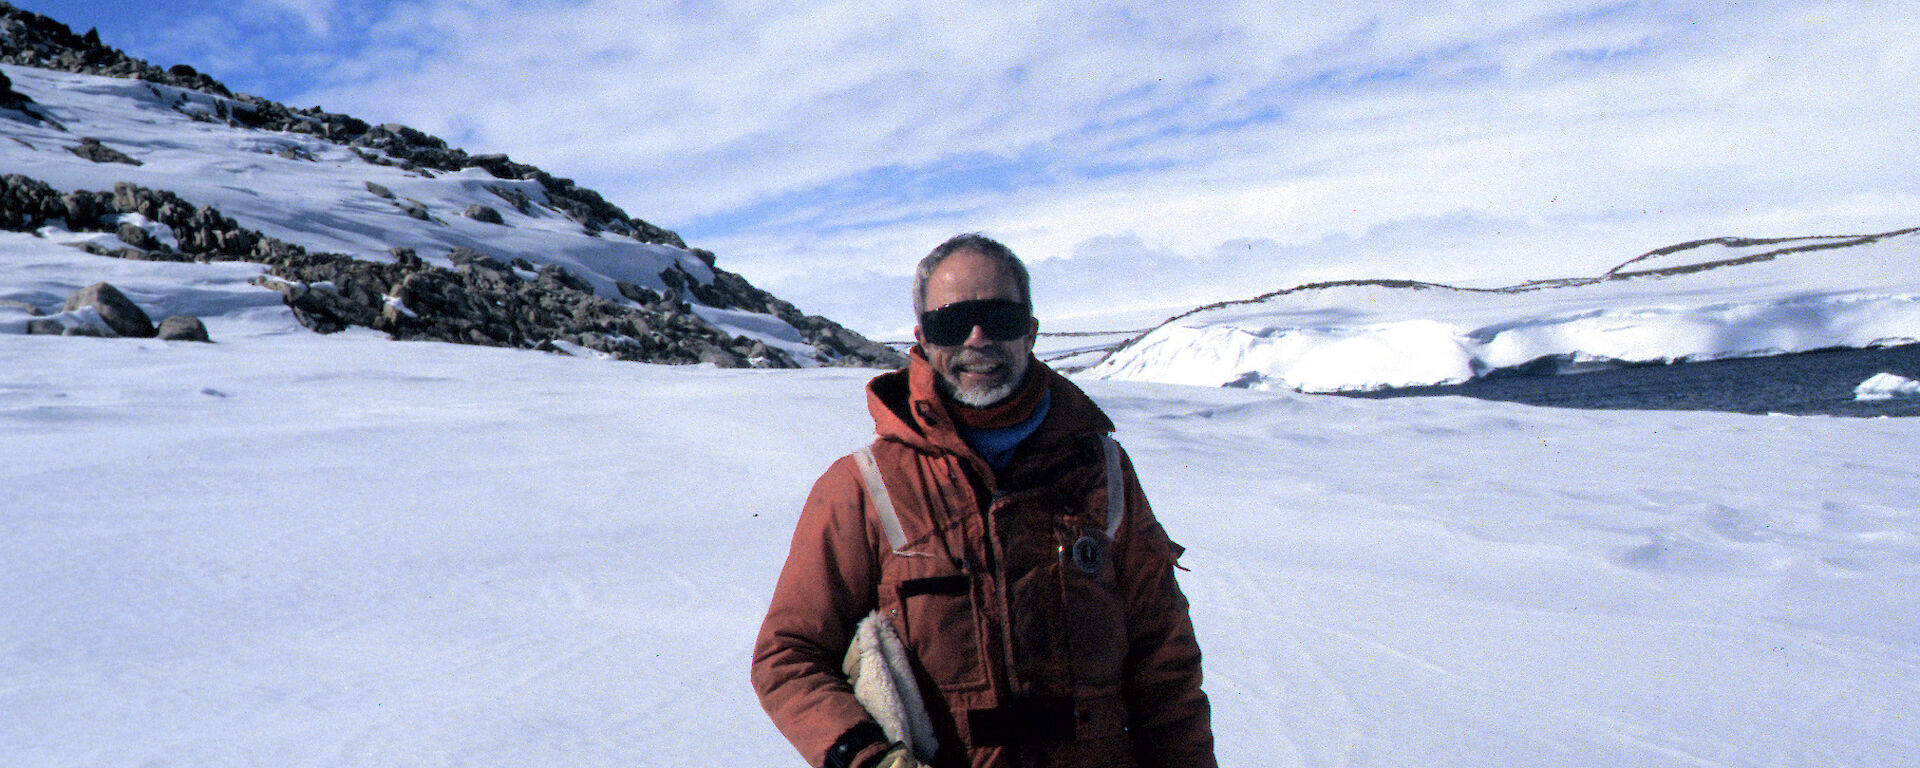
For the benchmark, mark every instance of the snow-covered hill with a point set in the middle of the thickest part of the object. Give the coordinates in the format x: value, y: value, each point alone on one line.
x: 1695, y: 301
x: 367, y: 201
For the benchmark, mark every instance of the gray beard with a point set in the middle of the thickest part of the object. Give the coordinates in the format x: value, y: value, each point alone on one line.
x: 977, y: 397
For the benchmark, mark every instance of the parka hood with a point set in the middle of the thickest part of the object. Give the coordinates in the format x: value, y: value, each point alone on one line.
x: 907, y: 407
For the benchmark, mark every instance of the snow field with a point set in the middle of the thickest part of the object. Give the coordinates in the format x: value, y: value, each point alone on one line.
x: 300, y: 550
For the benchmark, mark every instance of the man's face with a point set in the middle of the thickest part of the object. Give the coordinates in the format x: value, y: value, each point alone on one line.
x: 978, y: 371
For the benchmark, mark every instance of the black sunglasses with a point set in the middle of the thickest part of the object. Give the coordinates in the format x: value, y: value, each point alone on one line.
x: 1001, y: 319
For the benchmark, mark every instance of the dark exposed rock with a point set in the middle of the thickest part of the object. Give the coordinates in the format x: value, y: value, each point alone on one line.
x: 17, y: 106
x: 183, y: 328
x: 721, y: 356
x: 484, y: 214
x: 9, y: 99
x: 82, y: 210
x: 514, y: 197
x: 91, y: 149
x: 116, y: 310
x: 133, y: 235
x: 638, y: 293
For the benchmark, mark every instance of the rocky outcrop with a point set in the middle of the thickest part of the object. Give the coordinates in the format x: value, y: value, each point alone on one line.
x: 32, y: 40
x: 481, y: 299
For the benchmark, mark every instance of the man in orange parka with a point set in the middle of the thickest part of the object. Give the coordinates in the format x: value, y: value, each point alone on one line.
x: 1044, y: 624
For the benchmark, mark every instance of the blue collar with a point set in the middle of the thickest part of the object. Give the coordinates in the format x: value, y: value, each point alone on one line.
x: 997, y: 445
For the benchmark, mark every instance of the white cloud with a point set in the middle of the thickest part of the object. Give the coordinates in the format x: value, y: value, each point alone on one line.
x: 316, y: 15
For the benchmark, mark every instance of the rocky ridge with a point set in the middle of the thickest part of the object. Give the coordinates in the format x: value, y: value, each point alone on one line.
x: 480, y: 300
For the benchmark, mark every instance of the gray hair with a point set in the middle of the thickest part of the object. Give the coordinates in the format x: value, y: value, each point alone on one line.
x: 977, y: 243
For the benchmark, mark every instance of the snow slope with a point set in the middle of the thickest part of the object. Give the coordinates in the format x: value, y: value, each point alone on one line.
x: 299, y: 550
x: 1698, y: 301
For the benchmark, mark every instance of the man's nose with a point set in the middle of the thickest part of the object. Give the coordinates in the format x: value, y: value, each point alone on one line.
x: 977, y: 337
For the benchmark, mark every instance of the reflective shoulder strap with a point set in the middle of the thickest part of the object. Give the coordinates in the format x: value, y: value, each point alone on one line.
x: 1116, y: 487
x: 882, y: 502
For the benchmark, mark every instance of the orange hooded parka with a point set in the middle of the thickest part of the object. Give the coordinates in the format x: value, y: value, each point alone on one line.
x: 1037, y: 640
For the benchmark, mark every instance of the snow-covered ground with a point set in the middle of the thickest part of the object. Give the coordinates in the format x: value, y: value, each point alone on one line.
x: 298, y: 550
x: 1836, y: 293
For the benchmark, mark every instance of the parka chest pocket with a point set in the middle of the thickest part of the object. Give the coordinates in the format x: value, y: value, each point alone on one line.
x: 935, y: 607
x: 933, y: 602
x: 1095, y: 614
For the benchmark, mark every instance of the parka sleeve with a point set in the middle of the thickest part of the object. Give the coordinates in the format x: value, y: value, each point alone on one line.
x: 1170, y: 718
x: 826, y: 586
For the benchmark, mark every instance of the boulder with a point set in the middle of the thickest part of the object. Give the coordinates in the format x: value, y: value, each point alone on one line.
x: 120, y: 313
x: 183, y: 328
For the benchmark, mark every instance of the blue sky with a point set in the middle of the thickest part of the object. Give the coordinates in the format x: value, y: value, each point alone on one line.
x: 1140, y: 154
